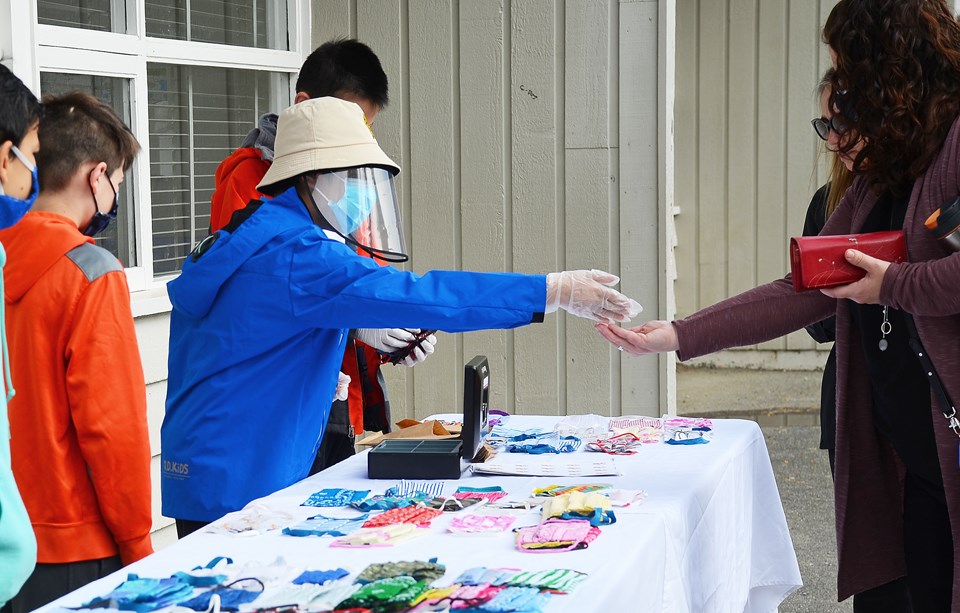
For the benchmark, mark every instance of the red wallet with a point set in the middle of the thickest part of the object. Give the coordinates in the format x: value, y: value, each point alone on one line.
x: 817, y: 261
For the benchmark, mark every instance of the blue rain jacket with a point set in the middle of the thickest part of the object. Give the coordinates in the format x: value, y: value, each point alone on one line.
x: 257, y: 336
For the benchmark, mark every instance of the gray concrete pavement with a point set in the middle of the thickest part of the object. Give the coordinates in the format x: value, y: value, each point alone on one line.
x: 786, y: 405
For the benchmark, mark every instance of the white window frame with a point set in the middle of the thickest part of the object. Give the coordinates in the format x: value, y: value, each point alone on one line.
x: 29, y: 48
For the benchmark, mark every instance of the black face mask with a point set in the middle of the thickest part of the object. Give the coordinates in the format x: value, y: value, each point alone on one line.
x: 100, y: 221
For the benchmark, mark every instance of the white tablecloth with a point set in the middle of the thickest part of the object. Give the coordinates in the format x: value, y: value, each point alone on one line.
x: 711, y: 535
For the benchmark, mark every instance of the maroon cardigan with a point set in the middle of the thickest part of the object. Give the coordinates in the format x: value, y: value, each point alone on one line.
x: 868, y: 486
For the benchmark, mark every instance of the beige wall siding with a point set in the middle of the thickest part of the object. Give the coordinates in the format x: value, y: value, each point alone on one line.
x: 508, y: 120
x: 747, y: 158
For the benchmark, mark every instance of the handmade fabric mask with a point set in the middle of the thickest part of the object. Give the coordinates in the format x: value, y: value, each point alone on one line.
x: 319, y: 577
x: 230, y: 598
x: 13, y: 209
x: 379, y: 537
x: 561, y: 580
x: 483, y: 575
x: 335, y: 497
x: 143, y: 594
x: 386, y: 594
x: 593, y: 507
x: 318, y: 525
x: 518, y: 599
x: 205, y: 576
x: 419, y: 516
x: 490, y: 494
x: 481, y: 524
x: 419, y: 570
x: 555, y: 535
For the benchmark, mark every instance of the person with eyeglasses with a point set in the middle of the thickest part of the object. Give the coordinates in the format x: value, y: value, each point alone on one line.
x: 79, y: 440
x: 892, y: 597
x: 895, y: 95
x: 20, y: 113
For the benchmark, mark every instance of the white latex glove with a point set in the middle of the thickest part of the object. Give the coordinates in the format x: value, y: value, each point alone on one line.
x: 387, y: 340
x: 588, y: 294
x: 343, y: 387
x: 419, y: 354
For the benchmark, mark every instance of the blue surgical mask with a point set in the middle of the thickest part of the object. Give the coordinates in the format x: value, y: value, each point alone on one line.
x: 13, y: 209
x: 100, y: 221
x: 354, y: 207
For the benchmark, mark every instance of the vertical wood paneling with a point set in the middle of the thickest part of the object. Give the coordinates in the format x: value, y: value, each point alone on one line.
x: 482, y: 198
x: 588, y: 177
x: 535, y: 197
x: 823, y: 63
x: 639, y: 191
x: 744, y: 105
x: 378, y: 24
x: 153, y: 338
x: 507, y: 116
x: 432, y: 165
x: 712, y: 265
x: 587, y: 35
x: 686, y: 135
x: 772, y: 78
x: 742, y: 147
x: 153, y: 335
x: 331, y: 19
x: 803, y: 67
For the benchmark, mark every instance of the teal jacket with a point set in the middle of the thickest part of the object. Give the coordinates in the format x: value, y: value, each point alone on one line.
x: 18, y: 547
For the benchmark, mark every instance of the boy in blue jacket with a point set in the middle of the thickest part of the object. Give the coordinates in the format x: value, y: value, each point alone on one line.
x: 262, y: 308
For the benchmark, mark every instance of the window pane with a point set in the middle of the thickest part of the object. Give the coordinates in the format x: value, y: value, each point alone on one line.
x: 247, y: 23
x: 98, y: 15
x: 198, y: 116
x: 120, y: 236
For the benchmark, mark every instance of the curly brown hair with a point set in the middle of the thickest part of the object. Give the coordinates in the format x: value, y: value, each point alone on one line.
x: 896, y: 84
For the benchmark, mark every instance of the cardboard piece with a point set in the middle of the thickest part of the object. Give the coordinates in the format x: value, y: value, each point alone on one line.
x: 414, y: 430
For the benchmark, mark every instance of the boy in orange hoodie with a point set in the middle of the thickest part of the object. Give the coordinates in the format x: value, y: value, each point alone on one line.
x: 79, y: 440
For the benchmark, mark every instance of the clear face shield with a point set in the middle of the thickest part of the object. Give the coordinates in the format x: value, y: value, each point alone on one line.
x: 360, y: 204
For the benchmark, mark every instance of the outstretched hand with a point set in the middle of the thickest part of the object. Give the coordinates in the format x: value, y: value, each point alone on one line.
x: 651, y: 337
x: 867, y: 289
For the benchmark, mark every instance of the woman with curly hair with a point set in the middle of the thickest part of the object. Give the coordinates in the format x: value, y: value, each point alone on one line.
x: 896, y: 95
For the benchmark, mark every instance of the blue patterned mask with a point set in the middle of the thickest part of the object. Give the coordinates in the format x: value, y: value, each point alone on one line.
x: 13, y: 209
x: 99, y: 222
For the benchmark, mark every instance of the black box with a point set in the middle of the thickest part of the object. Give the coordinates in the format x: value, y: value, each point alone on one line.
x: 410, y: 459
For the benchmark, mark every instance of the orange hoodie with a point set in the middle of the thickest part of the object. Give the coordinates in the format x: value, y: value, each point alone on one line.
x: 236, y: 183
x: 79, y: 442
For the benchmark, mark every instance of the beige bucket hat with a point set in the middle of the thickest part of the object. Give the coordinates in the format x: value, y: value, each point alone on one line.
x: 323, y: 134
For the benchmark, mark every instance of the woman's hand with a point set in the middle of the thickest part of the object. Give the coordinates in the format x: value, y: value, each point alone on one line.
x: 867, y: 289
x: 651, y: 337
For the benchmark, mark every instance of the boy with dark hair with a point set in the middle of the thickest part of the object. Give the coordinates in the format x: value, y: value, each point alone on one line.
x: 19, y: 121
x: 343, y: 68
x: 78, y: 423
x: 349, y: 70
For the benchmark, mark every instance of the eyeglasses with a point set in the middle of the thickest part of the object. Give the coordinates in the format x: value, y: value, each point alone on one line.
x: 23, y: 159
x: 822, y: 126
